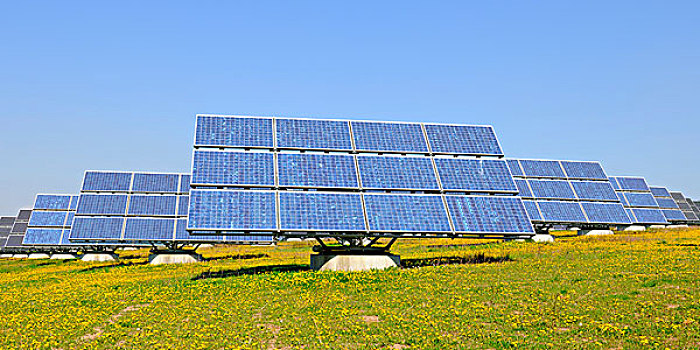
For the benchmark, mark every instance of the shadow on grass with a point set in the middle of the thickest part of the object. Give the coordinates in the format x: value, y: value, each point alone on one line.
x: 454, y: 260
x: 238, y: 257
x: 120, y: 263
x: 457, y: 245
x: 251, y: 271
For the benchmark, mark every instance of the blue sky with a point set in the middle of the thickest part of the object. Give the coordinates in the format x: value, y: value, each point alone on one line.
x: 89, y: 85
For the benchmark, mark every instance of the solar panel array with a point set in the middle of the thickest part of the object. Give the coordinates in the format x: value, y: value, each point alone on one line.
x: 668, y: 205
x: 684, y: 205
x: 567, y: 192
x: 51, y: 220
x: 19, y: 228
x: 138, y: 208
x: 257, y: 175
x: 6, y: 223
x: 638, y: 199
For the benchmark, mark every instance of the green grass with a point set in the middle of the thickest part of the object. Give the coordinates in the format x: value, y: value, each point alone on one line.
x: 631, y: 290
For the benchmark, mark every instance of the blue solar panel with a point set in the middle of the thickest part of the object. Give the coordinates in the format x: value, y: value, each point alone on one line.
x: 649, y: 216
x: 630, y: 214
x: 154, y: 183
x: 74, y: 202
x: 102, y: 204
x: 153, y: 205
x: 106, y: 181
x: 608, y: 213
x: 532, y: 211
x: 183, y: 205
x: 48, y: 218
x: 488, y: 214
x: 514, y: 167
x: 673, y: 215
x: 181, y: 234
x: 411, y: 213
x: 542, y: 168
x: 613, y: 182
x: 475, y: 175
x: 52, y: 202
x: 64, y: 238
x: 185, y: 183
x: 591, y: 190
x: 149, y: 229
x: 389, y: 137
x: 463, y: 139
x: 553, y: 211
x: 551, y: 189
x: 632, y: 183
x: 584, y: 170
x: 666, y: 203
x: 660, y: 192
x: 622, y: 199
x: 97, y: 228
x: 42, y: 236
x: 316, y: 170
x: 381, y: 172
x: 232, y: 210
x: 523, y: 189
x: 233, y: 132
x: 313, y: 134
x: 640, y: 200
x: 321, y: 211
x: 69, y: 218
x: 233, y: 168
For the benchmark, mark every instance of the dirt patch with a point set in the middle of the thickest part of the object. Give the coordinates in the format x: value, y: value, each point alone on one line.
x: 370, y: 319
x: 97, y: 331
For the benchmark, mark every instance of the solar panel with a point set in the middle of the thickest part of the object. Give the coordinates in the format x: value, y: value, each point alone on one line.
x: 97, y: 228
x: 605, y: 213
x: 233, y: 168
x: 640, y: 200
x: 561, y: 212
x: 52, y: 202
x: 19, y: 227
x: 613, y: 182
x: 102, y: 204
x: 23, y: 216
x: 488, y: 214
x: 43, y: 236
x: 410, y: 173
x: 48, y: 218
x: 666, y: 203
x: 632, y: 183
x: 14, y: 241
x: 594, y: 190
x: 234, y: 132
x: 185, y: 183
x: 649, y: 216
x: 462, y: 139
x: 690, y: 216
x: 149, y: 229
x: 152, y: 205
x: 232, y: 210
x: 183, y: 205
x: 584, y: 170
x: 680, y: 200
x: 475, y: 175
x: 389, y: 137
x: 542, y: 168
x: 660, y: 192
x: 514, y: 167
x: 305, y: 170
x: 155, y: 183
x: 673, y: 215
x: 74, y: 203
x: 523, y: 189
x: 107, y: 181
x: 406, y: 213
x: 532, y: 211
x: 321, y: 211
x: 313, y: 134
x: 551, y: 189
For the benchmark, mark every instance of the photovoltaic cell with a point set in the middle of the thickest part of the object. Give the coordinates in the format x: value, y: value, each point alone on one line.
x: 555, y: 211
x: 102, y: 204
x: 183, y: 205
x: 74, y: 202
x: 389, y: 137
x: 605, y: 213
x: 594, y: 190
x: 313, y: 134
x: 660, y: 192
x: 632, y: 183
x: 542, y: 168
x: 152, y: 205
x: 532, y: 211
x: 475, y: 175
x: 317, y: 170
x: 97, y: 228
x: 149, y: 229
x: 666, y: 203
x: 321, y: 211
x: 515, y: 167
x: 154, y: 183
x: 232, y: 210
x: 52, y: 202
x: 233, y: 168
x: 640, y: 199
x: 551, y: 189
x: 622, y: 199
x: 649, y: 216
x: 488, y: 214
x: 409, y: 213
x: 584, y: 170
x: 48, y: 218
x: 42, y: 236
x: 185, y: 183
x: 613, y: 182
x: 680, y: 200
x: 233, y: 132
x: 673, y: 215
x: 381, y: 172
x: 463, y: 139
x: 107, y: 181
x: 523, y: 189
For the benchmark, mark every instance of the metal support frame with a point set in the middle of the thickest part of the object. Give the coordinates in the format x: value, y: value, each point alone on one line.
x: 354, y: 246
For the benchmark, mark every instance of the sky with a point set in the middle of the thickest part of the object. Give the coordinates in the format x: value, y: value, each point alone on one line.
x: 116, y: 86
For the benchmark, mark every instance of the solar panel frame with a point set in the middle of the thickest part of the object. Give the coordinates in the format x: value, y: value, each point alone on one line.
x: 551, y: 189
x: 299, y: 170
x: 660, y: 191
x: 374, y: 213
x: 124, y: 185
x: 340, y: 135
x: 489, y: 146
x: 263, y: 176
x: 537, y: 168
x: 475, y: 175
x: 554, y: 212
x: 305, y: 211
x: 632, y: 183
x: 594, y: 191
x: 266, y: 226
x: 574, y: 171
x: 372, y: 176
x: 261, y: 143
x: 495, y: 214
x: 605, y: 213
x: 380, y: 137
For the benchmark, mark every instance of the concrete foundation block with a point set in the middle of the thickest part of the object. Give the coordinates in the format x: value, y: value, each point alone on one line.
x: 100, y: 257
x: 635, y: 228
x: 39, y: 256
x: 20, y: 256
x: 337, y: 262
x: 63, y: 256
x: 595, y: 233
x: 669, y: 226
x: 657, y: 226
x: 5, y: 256
x: 542, y: 238
x: 174, y: 258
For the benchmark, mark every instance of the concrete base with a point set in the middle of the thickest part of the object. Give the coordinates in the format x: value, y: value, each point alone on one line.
x: 174, y: 258
x: 657, y: 226
x: 542, y: 238
x: 595, y: 233
x: 100, y: 257
x: 335, y: 262
x: 62, y: 256
x: 5, y: 256
x: 635, y: 228
x: 39, y: 256
x: 669, y: 226
x: 20, y: 256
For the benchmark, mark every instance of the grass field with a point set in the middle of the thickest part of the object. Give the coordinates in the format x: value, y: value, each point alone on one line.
x: 628, y: 291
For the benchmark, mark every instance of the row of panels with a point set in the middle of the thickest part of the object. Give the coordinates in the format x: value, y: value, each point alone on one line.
x: 119, y: 181
x: 564, y: 169
x: 297, y: 211
x: 591, y: 213
x: 132, y: 205
x: 334, y: 171
x: 629, y: 183
x: 566, y: 189
x: 343, y: 135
